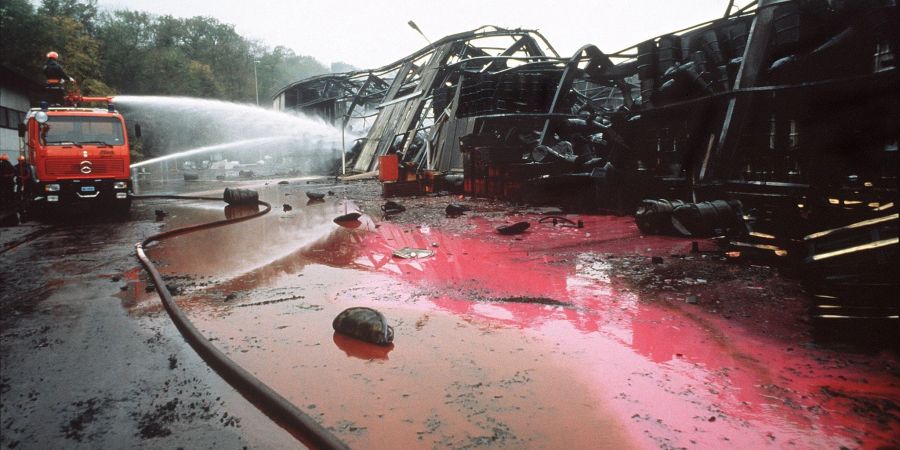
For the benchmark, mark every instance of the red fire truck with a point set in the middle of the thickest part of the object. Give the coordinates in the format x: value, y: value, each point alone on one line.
x: 76, y: 154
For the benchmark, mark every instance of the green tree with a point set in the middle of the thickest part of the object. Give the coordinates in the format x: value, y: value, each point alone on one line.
x: 83, y: 11
x: 138, y: 53
x: 79, y: 53
x: 21, y: 45
x: 125, y: 38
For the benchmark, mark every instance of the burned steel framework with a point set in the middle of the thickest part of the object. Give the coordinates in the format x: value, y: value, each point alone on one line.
x: 790, y: 107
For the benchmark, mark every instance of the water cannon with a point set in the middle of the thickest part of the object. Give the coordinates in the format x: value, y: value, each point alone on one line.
x: 75, y: 98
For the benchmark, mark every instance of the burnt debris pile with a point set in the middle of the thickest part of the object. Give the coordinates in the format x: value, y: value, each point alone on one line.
x: 779, y: 119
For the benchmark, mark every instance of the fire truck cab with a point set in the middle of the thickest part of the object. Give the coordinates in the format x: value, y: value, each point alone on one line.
x: 76, y: 155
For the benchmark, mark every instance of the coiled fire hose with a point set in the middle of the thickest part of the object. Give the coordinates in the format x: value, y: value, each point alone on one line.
x: 271, y: 403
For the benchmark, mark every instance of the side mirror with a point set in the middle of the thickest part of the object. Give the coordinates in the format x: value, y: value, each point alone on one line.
x: 22, y: 130
x: 137, y: 130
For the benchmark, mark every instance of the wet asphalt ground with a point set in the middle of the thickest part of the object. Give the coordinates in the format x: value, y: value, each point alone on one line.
x: 560, y: 337
x: 79, y: 370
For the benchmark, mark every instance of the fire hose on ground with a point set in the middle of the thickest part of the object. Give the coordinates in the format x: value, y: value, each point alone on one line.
x: 271, y: 403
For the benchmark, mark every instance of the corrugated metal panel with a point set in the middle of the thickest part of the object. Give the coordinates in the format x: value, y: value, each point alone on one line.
x: 401, y: 117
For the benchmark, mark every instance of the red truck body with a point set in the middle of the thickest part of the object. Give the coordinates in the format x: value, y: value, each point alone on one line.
x: 77, y: 155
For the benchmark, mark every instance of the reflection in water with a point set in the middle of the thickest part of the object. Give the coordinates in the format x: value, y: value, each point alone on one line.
x: 360, y: 349
x: 238, y: 211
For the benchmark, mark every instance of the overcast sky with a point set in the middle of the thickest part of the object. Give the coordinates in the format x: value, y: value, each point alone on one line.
x: 373, y: 33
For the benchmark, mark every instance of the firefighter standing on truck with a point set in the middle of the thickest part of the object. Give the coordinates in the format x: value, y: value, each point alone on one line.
x: 56, y: 78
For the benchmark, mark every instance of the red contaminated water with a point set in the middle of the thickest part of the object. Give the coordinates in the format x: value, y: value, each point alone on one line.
x: 525, y: 341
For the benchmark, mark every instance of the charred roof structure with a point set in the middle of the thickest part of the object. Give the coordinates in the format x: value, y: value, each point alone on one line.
x: 410, y: 101
x: 790, y: 107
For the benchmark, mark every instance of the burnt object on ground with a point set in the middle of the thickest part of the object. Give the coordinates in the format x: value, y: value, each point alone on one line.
x: 391, y: 208
x: 655, y: 216
x: 160, y: 214
x: 284, y: 182
x: 365, y: 324
x: 561, y: 221
x: 191, y: 176
x: 315, y: 195
x: 718, y: 217
x: 413, y: 253
x: 456, y: 209
x: 516, y: 228
x: 286, y: 207
x: 349, y: 217
x: 235, y: 196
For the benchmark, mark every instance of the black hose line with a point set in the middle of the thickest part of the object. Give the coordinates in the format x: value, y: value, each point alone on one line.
x: 272, y: 404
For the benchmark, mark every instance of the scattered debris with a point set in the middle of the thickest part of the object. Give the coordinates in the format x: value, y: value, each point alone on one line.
x: 391, y: 207
x: 365, y: 324
x: 516, y: 228
x: 191, y: 176
x: 284, y: 182
x: 413, y: 253
x: 562, y: 221
x: 315, y: 195
x: 348, y: 218
x: 160, y: 214
x: 286, y: 207
x: 456, y: 209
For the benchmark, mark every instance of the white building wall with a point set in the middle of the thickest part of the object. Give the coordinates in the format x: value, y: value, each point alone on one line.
x: 11, y: 100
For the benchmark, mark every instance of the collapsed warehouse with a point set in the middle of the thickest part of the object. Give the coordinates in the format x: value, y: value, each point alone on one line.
x: 774, y: 128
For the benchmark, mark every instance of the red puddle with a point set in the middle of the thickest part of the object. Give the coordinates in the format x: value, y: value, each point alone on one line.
x: 590, y: 366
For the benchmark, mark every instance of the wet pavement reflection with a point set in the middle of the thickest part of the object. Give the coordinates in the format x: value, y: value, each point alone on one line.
x: 511, y: 341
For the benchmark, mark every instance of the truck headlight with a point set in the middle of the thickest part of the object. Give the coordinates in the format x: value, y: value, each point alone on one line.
x: 120, y: 185
x: 51, y: 188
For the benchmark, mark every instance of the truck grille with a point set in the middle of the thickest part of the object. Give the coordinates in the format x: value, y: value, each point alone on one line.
x: 72, y: 167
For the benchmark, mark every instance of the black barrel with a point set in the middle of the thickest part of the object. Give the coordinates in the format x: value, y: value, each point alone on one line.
x: 655, y: 216
x: 234, y: 196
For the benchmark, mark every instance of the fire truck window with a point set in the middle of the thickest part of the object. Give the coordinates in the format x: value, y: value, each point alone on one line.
x: 85, y: 129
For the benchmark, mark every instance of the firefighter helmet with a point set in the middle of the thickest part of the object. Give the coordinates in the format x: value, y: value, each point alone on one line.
x: 52, y: 55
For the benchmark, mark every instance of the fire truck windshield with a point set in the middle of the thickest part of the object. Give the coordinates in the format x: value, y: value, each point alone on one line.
x: 60, y: 130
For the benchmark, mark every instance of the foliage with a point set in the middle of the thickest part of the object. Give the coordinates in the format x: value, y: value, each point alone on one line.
x: 132, y: 52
